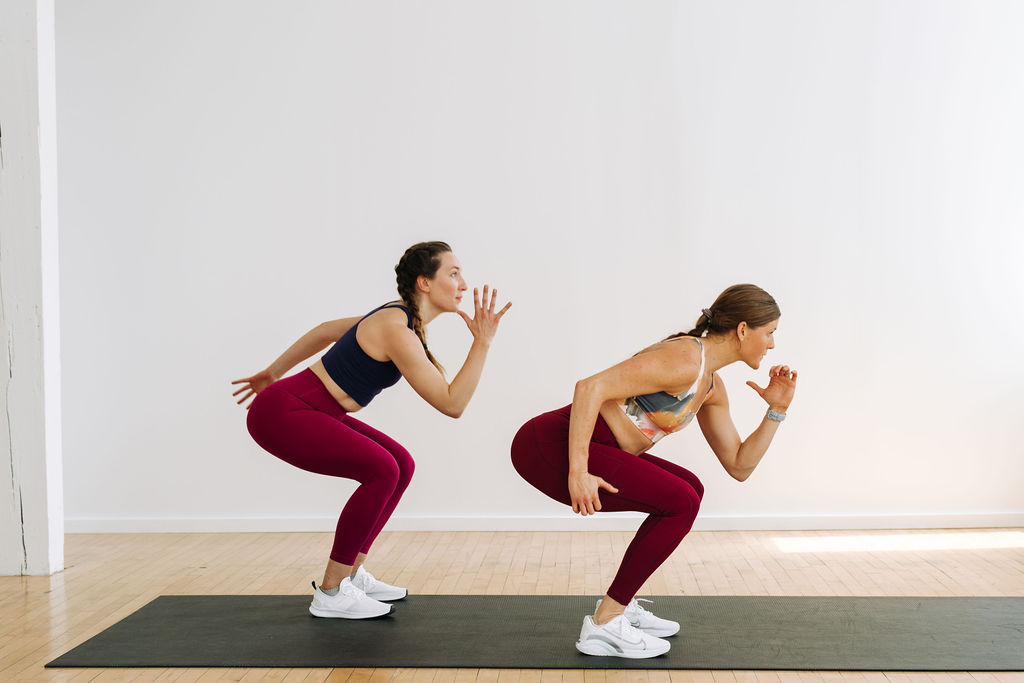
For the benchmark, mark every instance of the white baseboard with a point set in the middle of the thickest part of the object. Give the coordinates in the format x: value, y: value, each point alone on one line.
x: 605, y: 522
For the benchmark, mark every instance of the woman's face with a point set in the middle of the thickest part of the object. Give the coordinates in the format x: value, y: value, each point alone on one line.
x: 447, y: 285
x: 756, y: 341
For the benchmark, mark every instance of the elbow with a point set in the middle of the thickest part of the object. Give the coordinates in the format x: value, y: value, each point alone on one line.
x: 453, y: 412
x: 740, y: 474
x: 584, y: 387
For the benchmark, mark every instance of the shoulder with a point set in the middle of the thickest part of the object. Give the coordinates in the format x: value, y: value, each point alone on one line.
x: 674, y: 362
x: 683, y: 353
x: 391, y: 319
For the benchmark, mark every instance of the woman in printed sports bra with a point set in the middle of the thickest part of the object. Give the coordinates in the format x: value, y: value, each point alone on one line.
x: 306, y: 419
x: 591, y: 454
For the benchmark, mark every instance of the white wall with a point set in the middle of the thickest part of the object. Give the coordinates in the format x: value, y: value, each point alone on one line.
x: 235, y: 172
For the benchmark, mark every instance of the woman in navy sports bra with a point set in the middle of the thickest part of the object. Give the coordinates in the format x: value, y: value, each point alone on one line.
x: 306, y: 419
x: 599, y: 442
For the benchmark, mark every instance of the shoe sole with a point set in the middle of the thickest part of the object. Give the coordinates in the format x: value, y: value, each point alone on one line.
x: 401, y: 597
x: 659, y: 632
x: 597, y: 648
x: 329, y: 614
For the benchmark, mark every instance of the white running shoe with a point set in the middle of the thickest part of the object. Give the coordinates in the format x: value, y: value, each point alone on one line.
x: 645, y: 621
x: 349, y: 603
x: 378, y: 590
x: 618, y: 638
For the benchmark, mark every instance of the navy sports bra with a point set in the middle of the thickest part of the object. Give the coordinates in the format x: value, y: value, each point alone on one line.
x: 360, y: 376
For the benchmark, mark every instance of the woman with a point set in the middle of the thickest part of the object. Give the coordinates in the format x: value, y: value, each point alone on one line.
x: 599, y: 442
x: 306, y: 419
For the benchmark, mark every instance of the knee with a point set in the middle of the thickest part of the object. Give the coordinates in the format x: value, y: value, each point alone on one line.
x: 683, y: 501
x: 385, y: 470
x: 406, y: 466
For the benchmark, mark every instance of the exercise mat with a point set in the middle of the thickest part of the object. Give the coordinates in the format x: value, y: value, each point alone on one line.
x: 539, y: 632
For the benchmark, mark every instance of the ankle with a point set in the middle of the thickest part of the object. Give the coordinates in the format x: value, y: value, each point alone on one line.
x: 603, y: 617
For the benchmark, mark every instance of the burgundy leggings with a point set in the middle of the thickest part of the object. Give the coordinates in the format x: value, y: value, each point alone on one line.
x: 669, y: 494
x: 299, y: 421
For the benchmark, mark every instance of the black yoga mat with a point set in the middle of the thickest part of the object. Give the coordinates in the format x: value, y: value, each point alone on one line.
x: 539, y: 632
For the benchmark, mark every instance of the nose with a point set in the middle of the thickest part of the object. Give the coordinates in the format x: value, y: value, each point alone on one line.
x: 462, y: 285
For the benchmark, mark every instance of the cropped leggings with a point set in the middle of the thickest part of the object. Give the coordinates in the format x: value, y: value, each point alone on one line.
x: 669, y: 494
x: 299, y: 421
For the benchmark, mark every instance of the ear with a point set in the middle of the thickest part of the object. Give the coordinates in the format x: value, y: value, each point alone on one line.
x: 741, y: 330
x: 423, y: 284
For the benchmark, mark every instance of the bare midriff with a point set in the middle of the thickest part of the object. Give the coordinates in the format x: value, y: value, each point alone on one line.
x: 343, y: 399
x: 630, y: 439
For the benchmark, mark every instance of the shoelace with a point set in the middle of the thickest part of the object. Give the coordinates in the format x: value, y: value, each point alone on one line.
x: 638, y: 607
x: 367, y: 579
x: 351, y: 589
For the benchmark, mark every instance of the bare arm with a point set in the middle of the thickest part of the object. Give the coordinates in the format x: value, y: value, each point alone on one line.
x: 658, y: 370
x: 317, y: 339
x: 314, y: 341
x: 403, y: 347
x: 740, y: 458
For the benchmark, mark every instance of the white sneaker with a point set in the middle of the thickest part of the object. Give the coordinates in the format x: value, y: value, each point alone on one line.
x: 618, y: 638
x: 378, y: 590
x: 349, y: 603
x: 648, y: 623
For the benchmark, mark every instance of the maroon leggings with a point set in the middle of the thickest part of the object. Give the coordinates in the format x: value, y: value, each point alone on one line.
x: 299, y: 421
x: 669, y: 494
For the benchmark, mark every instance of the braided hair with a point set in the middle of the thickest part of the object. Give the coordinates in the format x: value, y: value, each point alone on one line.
x: 423, y: 259
x: 737, y: 304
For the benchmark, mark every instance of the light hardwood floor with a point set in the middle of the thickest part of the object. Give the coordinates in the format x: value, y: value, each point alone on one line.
x: 110, y: 576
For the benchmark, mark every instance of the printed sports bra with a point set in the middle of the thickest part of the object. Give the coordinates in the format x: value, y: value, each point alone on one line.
x: 662, y: 413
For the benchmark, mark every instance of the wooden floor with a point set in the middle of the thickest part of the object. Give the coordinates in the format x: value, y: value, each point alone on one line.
x: 110, y: 576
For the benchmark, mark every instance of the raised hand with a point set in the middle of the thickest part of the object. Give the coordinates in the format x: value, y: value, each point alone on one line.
x: 253, y: 385
x: 484, y: 323
x: 781, y: 386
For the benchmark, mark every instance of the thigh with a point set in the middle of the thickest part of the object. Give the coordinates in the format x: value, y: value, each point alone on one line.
x: 386, y: 442
x: 540, y: 453
x: 642, y: 486
x: 674, y: 469
x: 317, y: 442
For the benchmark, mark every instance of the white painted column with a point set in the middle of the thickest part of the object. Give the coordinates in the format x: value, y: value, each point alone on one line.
x: 31, y: 487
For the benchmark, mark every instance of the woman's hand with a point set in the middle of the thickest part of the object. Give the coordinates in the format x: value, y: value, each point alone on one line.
x: 583, y: 490
x: 253, y: 385
x: 781, y: 385
x: 484, y: 323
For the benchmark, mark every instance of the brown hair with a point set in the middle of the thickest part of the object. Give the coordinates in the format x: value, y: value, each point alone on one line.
x: 737, y: 304
x: 423, y: 259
